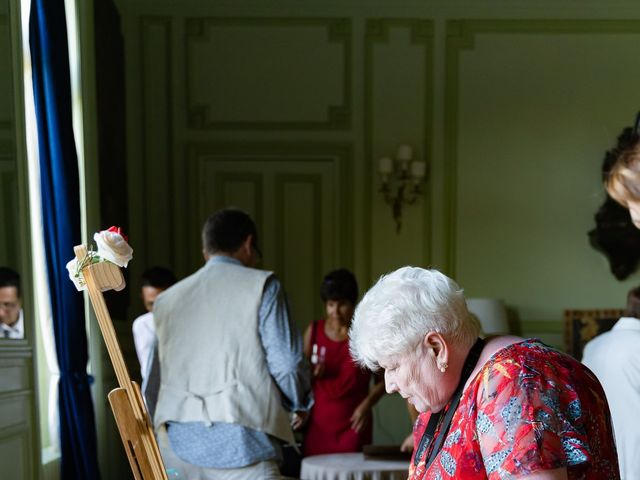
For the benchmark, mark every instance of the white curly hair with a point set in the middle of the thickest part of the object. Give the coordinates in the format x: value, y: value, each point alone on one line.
x: 401, y: 308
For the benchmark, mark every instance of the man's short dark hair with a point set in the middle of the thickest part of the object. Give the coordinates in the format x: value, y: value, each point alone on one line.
x: 158, y: 277
x: 9, y: 278
x: 226, y: 230
x: 633, y: 303
x: 338, y: 285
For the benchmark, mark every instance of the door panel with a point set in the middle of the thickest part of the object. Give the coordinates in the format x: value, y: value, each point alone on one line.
x: 16, y: 414
x: 14, y: 447
x: 294, y: 201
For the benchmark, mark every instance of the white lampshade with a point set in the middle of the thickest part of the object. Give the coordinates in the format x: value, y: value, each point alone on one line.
x: 385, y: 165
x: 405, y: 152
x: 418, y: 169
x: 491, y: 313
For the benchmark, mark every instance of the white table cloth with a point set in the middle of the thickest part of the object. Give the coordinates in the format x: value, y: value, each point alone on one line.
x: 352, y: 466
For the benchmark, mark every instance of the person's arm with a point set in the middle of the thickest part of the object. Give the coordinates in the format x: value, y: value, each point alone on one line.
x: 151, y: 380
x: 282, y: 344
x: 306, y: 339
x: 533, y: 420
x: 318, y: 369
x: 143, y: 340
x: 360, y: 416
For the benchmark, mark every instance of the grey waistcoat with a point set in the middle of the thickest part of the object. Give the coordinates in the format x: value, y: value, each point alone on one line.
x: 212, y: 363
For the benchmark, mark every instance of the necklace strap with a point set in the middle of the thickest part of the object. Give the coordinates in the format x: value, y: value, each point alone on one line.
x: 444, y: 420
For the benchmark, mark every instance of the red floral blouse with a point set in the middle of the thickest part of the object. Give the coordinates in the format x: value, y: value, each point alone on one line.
x: 530, y: 408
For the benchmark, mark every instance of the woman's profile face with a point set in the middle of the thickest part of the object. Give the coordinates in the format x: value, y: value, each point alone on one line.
x: 417, y: 379
x: 341, y: 310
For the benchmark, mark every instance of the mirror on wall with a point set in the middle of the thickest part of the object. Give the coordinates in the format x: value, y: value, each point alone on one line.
x: 11, y: 317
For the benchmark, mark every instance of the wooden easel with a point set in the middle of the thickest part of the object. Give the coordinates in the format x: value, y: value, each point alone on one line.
x: 126, y: 402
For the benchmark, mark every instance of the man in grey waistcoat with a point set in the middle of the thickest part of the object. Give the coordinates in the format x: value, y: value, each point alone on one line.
x: 230, y: 361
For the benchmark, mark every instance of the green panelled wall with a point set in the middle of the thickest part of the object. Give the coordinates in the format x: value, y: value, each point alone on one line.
x: 532, y: 107
x: 513, y: 112
x: 285, y: 107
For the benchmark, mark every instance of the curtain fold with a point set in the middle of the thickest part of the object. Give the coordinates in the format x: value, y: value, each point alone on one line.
x: 59, y: 181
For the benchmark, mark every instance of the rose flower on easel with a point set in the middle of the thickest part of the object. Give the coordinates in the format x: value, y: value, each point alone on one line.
x: 112, y: 246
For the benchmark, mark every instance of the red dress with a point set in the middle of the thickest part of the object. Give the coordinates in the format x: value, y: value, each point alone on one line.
x: 530, y: 408
x: 336, y: 393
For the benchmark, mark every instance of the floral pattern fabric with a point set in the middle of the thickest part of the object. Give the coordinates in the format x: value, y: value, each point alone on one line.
x: 529, y: 409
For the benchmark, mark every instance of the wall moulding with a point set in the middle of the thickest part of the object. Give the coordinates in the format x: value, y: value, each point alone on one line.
x: 15, y: 441
x: 150, y: 204
x: 296, y: 99
x: 297, y: 154
x: 6, y: 122
x: 313, y: 183
x: 9, y: 247
x: 377, y: 33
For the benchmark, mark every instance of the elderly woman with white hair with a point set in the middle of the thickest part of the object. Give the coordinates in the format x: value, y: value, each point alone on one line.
x: 495, y: 408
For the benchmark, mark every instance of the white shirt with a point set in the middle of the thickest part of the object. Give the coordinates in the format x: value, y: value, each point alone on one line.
x: 144, y: 337
x: 614, y: 357
x: 15, y: 331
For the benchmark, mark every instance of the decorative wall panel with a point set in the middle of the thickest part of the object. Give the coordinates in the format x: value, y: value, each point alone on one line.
x: 6, y: 82
x: 9, y: 251
x: 303, y: 218
x: 16, y: 396
x: 15, y: 446
x: 398, y: 55
x: 14, y: 410
x: 14, y: 375
x: 282, y: 73
x: 157, y: 134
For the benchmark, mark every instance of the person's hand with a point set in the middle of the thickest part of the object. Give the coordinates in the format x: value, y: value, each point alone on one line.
x: 318, y: 370
x: 360, y: 417
x: 298, y: 419
x: 407, y: 444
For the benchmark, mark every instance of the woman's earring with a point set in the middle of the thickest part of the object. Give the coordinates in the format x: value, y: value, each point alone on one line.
x: 443, y: 367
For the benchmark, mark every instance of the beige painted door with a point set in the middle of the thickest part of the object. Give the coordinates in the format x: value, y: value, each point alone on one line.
x: 301, y: 211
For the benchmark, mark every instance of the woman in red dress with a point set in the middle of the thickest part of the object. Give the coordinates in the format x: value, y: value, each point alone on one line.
x: 340, y: 419
x: 500, y: 408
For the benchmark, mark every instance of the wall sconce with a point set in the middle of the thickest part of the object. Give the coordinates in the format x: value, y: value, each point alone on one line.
x: 406, y: 176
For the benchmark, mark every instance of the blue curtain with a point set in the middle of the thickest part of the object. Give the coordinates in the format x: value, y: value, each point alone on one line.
x: 61, y: 220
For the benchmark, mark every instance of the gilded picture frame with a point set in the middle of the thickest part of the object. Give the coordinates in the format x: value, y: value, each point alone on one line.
x: 580, y: 326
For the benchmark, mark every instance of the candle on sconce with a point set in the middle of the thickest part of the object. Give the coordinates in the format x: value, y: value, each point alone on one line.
x: 401, y: 180
x: 418, y: 169
x: 405, y: 152
x: 385, y: 165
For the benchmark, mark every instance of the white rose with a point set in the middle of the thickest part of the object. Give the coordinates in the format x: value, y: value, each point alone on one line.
x: 113, y: 247
x: 75, y: 276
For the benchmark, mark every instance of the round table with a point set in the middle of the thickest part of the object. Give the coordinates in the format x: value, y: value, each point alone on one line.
x: 352, y: 466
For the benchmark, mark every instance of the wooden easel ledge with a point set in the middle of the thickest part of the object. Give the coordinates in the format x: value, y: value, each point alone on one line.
x: 126, y: 402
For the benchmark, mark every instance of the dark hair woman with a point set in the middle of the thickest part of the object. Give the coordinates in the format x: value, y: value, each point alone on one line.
x: 340, y: 419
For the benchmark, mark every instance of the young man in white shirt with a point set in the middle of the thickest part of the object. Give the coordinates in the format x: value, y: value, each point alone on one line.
x: 154, y: 281
x: 614, y: 357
